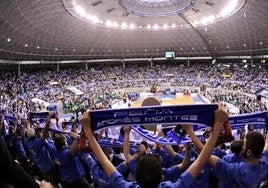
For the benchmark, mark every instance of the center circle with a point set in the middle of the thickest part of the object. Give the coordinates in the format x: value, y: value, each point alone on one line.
x: 156, y: 7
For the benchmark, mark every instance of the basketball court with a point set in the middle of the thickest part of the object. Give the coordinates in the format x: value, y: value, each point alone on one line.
x: 172, y: 100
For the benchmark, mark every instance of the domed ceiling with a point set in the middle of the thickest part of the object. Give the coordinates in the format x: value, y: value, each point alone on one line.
x: 122, y: 29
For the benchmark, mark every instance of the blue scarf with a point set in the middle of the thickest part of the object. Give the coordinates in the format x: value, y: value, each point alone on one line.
x: 201, y: 115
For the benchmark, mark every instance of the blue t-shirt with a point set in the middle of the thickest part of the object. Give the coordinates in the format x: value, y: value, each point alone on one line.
x: 167, y: 159
x: 37, y: 148
x: 202, y: 180
x: 232, y: 158
x: 244, y: 174
x: 70, y: 167
x: 133, y: 165
x: 184, y: 181
x: 178, y: 158
x: 171, y: 173
x: 99, y: 174
x: 17, y: 147
x: 219, y: 153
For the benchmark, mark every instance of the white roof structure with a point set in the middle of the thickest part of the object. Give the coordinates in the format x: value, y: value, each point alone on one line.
x: 124, y: 29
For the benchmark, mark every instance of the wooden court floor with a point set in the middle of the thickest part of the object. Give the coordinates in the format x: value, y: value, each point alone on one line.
x: 185, y: 99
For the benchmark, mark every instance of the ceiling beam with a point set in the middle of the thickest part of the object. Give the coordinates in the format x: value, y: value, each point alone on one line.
x: 203, y: 37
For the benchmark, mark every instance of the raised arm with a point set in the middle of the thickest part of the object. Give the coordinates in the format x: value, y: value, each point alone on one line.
x: 27, y: 122
x: 266, y: 143
x: 126, y: 152
x: 186, y: 158
x: 74, y: 135
x: 45, y: 133
x: 95, y: 147
x: 170, y: 150
x: 1, y: 123
x: 75, y: 144
x: 197, y: 143
x: 75, y: 126
x: 266, y: 140
x: 220, y: 117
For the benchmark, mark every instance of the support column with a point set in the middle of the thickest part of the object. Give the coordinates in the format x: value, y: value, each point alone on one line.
x: 58, y: 67
x: 188, y: 61
x: 86, y: 66
x: 18, y: 68
x: 152, y: 63
x: 251, y: 62
x: 124, y: 64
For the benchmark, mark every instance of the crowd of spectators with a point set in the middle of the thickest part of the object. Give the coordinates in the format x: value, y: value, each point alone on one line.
x: 100, y: 81
x: 58, y: 158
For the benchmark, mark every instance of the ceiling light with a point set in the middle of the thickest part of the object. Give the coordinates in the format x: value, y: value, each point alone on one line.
x: 195, y: 23
x: 132, y: 26
x: 124, y: 25
x: 261, y: 43
x: 56, y: 49
x: 95, y: 19
x: 165, y: 26
x: 204, y: 20
x: 153, y: 1
x: 115, y: 24
x: 244, y: 45
x: 108, y: 23
x: 80, y: 10
x: 155, y: 26
x: 37, y: 47
x: 73, y: 50
x: 88, y: 16
x: 26, y: 45
x: 173, y: 25
x: 229, y: 8
x: 148, y: 26
x: 8, y: 40
x: 211, y: 18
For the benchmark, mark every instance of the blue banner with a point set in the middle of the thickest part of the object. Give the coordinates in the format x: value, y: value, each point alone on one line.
x: 202, y: 114
x: 10, y: 119
x: 115, y: 143
x: 39, y: 115
x: 258, y: 118
x: 171, y: 139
